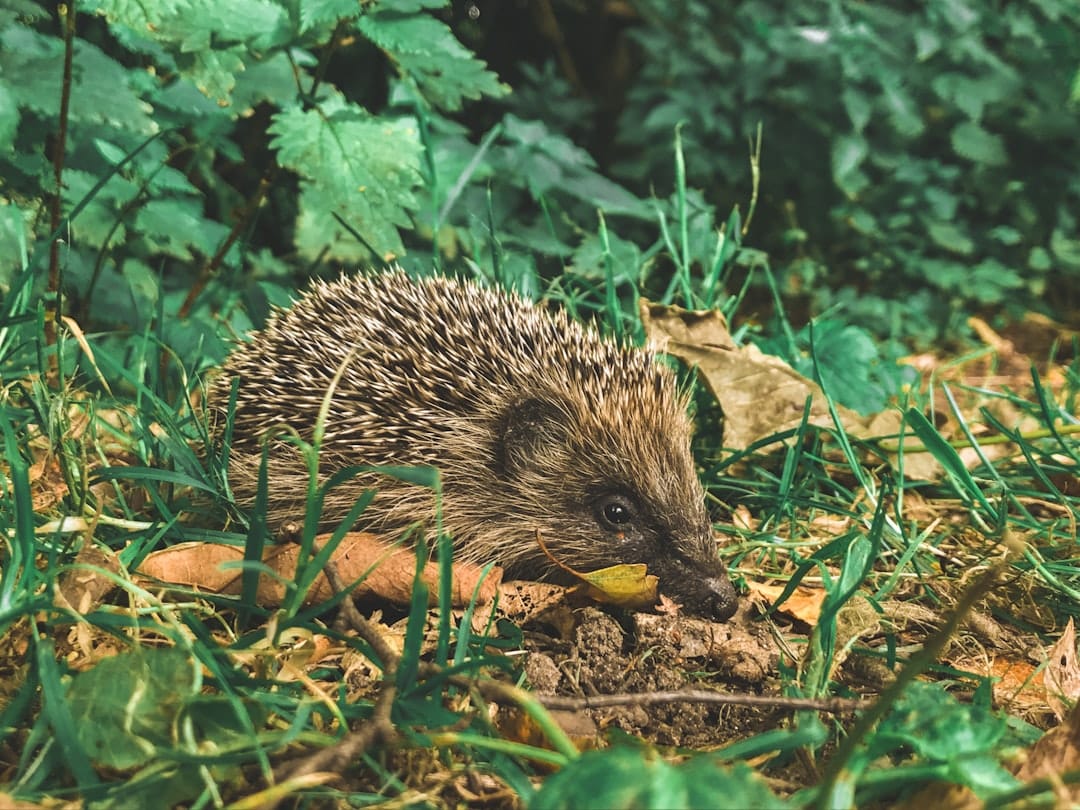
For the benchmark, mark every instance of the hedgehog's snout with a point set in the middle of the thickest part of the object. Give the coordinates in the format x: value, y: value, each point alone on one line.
x: 717, y: 596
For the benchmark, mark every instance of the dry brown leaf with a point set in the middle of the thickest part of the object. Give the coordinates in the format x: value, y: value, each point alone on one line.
x: 199, y: 565
x: 1056, y: 752
x: 759, y: 394
x: 1062, y: 674
x: 804, y: 603
x: 521, y: 602
x: 942, y: 796
x: 516, y: 725
x: 81, y: 587
x: 1016, y: 685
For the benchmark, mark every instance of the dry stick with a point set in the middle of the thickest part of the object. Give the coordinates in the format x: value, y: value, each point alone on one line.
x: 59, y: 151
x: 917, y: 664
x: 242, y: 221
x: 832, y: 705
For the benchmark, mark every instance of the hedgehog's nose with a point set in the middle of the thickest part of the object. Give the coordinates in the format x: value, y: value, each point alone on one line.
x: 720, y: 599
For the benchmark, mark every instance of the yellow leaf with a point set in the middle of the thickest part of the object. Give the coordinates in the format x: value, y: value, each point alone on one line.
x: 628, y: 586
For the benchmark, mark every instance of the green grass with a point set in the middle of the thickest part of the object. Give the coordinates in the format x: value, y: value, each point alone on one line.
x: 146, y: 698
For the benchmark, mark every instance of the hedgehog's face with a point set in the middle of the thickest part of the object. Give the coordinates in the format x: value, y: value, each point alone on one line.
x: 602, y: 495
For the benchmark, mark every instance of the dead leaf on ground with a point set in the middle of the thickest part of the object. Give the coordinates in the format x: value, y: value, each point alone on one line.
x: 83, y: 587
x: 804, y: 604
x: 759, y: 394
x: 516, y: 725
x: 1062, y: 674
x: 200, y: 565
x: 522, y: 602
x: 1056, y: 752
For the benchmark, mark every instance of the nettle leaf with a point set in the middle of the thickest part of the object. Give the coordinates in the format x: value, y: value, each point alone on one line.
x: 14, y: 234
x: 972, y: 95
x: 971, y: 141
x: 848, y: 154
x: 546, y: 161
x: 213, y: 71
x: 101, y: 87
x: 991, y: 281
x: 362, y: 168
x: 314, y: 13
x: 426, y: 49
x: 173, y: 226
x: 952, y: 237
x: 9, y: 117
x: 210, y: 40
x: 272, y: 79
x: 137, y: 15
x: 97, y: 221
x: 412, y: 6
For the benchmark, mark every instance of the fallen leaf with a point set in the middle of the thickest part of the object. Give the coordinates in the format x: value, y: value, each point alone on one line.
x: 83, y: 587
x: 760, y: 394
x: 199, y: 565
x: 626, y: 586
x: 803, y: 604
x: 522, y: 602
x: 1062, y: 674
x: 1055, y: 753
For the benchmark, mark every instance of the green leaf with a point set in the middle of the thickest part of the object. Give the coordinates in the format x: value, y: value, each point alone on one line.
x: 354, y: 165
x: 971, y: 141
x: 992, y: 281
x: 623, y: 778
x: 951, y: 237
x: 935, y: 726
x: 425, y: 49
x: 858, y: 107
x: 210, y: 40
x: 1039, y: 259
x: 127, y: 705
x: 101, y: 93
x: 1066, y: 248
x: 848, y: 154
x: 9, y: 118
x: 325, y: 12
x: 174, y: 226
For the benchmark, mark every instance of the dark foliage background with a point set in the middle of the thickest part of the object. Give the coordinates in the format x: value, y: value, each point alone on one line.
x: 919, y: 162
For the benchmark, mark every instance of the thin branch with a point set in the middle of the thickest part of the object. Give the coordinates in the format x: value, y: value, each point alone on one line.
x: 67, y: 14
x: 832, y: 705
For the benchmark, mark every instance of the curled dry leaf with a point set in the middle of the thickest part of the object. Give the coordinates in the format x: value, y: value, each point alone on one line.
x: 759, y: 394
x: 199, y: 565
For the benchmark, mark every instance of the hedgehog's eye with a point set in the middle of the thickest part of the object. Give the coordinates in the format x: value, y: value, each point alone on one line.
x: 615, y: 512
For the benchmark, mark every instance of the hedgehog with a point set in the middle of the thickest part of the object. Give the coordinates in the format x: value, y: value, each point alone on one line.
x: 539, y: 427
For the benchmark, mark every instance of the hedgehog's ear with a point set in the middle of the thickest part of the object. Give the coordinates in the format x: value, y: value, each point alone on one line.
x: 532, y: 431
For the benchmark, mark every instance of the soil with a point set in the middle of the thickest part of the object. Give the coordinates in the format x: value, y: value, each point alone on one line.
x: 589, y: 652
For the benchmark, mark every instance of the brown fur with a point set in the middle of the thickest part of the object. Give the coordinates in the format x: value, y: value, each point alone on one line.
x: 535, y: 423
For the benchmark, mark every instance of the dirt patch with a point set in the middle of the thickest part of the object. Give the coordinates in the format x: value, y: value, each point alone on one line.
x: 590, y: 652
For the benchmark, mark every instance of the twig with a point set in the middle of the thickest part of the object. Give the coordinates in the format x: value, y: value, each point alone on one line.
x: 832, y: 705
x: 243, y: 220
x: 67, y: 11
